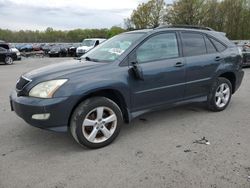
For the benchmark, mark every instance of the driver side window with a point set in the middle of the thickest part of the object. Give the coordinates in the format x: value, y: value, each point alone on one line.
x: 159, y: 47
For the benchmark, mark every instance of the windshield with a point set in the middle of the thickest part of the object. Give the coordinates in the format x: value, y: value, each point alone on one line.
x: 88, y: 43
x: 113, y: 48
x: 55, y: 49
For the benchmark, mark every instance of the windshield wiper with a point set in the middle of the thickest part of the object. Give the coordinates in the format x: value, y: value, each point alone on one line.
x: 87, y: 58
x: 90, y: 59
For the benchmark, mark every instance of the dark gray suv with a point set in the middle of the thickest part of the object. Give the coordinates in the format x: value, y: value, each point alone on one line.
x: 126, y: 76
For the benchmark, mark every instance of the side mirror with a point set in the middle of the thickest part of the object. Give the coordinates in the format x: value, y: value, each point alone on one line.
x: 137, y: 70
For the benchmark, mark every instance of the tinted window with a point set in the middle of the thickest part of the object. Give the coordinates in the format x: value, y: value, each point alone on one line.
x: 2, y: 49
x: 220, y: 47
x: 6, y: 46
x: 194, y: 44
x: 162, y: 46
x: 210, y: 47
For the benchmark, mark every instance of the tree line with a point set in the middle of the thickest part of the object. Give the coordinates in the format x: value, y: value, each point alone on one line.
x: 51, y: 35
x: 229, y: 16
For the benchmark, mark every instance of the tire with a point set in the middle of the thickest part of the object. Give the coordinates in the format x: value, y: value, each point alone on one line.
x: 8, y: 60
x: 92, y: 134
x: 222, y: 88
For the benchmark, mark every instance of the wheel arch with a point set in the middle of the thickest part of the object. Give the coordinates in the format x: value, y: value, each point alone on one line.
x: 109, y: 93
x: 231, y: 77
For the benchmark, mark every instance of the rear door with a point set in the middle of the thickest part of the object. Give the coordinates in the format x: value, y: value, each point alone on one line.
x: 163, y: 69
x: 202, y: 60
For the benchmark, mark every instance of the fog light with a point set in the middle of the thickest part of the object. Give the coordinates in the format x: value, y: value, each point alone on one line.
x: 41, y: 116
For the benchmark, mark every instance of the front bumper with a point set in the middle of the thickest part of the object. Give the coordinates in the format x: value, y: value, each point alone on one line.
x: 54, y: 54
x: 58, y: 108
x: 19, y: 57
x: 80, y: 53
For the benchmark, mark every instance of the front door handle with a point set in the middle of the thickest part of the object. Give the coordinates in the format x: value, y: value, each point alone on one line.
x: 179, y: 64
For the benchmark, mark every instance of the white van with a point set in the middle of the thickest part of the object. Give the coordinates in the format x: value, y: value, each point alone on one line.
x: 88, y: 44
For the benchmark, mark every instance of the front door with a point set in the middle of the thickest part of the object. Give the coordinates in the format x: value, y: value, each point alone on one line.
x: 163, y: 72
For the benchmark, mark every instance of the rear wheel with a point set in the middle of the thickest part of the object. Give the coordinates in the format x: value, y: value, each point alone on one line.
x: 220, y: 95
x: 8, y: 60
x: 96, y: 122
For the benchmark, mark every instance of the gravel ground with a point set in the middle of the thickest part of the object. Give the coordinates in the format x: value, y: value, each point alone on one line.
x: 155, y: 150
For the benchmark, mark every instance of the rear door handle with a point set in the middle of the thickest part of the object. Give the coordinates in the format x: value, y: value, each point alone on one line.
x: 218, y: 58
x: 179, y: 64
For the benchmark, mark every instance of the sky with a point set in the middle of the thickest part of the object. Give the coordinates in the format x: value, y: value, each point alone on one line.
x: 65, y: 14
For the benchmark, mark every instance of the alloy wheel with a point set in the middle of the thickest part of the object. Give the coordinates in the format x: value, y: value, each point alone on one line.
x: 99, y: 124
x: 8, y: 60
x: 222, y: 95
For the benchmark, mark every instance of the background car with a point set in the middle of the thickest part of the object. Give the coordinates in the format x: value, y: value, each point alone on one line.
x: 37, y: 47
x: 88, y: 44
x: 6, y: 56
x: 58, y: 51
x: 72, y: 49
x: 16, y: 51
x: 47, y: 47
x: 26, y: 48
x: 246, y: 56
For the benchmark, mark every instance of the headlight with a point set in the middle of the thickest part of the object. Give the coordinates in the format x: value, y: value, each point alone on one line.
x: 46, y: 89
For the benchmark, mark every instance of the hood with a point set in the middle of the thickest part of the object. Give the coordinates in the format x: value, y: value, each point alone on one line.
x: 14, y: 50
x: 84, y: 48
x: 60, y: 69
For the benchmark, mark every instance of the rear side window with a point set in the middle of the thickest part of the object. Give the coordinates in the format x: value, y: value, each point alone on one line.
x: 219, y: 46
x: 159, y: 47
x: 194, y: 44
x: 210, y: 47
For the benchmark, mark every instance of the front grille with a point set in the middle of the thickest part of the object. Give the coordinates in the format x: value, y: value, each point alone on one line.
x: 22, y: 82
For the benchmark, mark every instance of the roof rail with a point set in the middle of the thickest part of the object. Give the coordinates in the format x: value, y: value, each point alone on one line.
x: 185, y: 27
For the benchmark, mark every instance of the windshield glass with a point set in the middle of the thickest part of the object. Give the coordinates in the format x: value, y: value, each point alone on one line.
x: 55, y: 49
x: 88, y: 43
x: 113, y: 48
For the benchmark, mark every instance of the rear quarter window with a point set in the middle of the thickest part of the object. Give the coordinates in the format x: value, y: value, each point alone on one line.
x: 210, y: 47
x: 219, y: 46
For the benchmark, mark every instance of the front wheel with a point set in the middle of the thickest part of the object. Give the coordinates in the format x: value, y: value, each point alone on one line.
x: 8, y: 60
x: 96, y: 122
x: 220, y: 95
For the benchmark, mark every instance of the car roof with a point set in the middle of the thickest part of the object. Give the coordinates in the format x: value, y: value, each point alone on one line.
x: 216, y: 34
